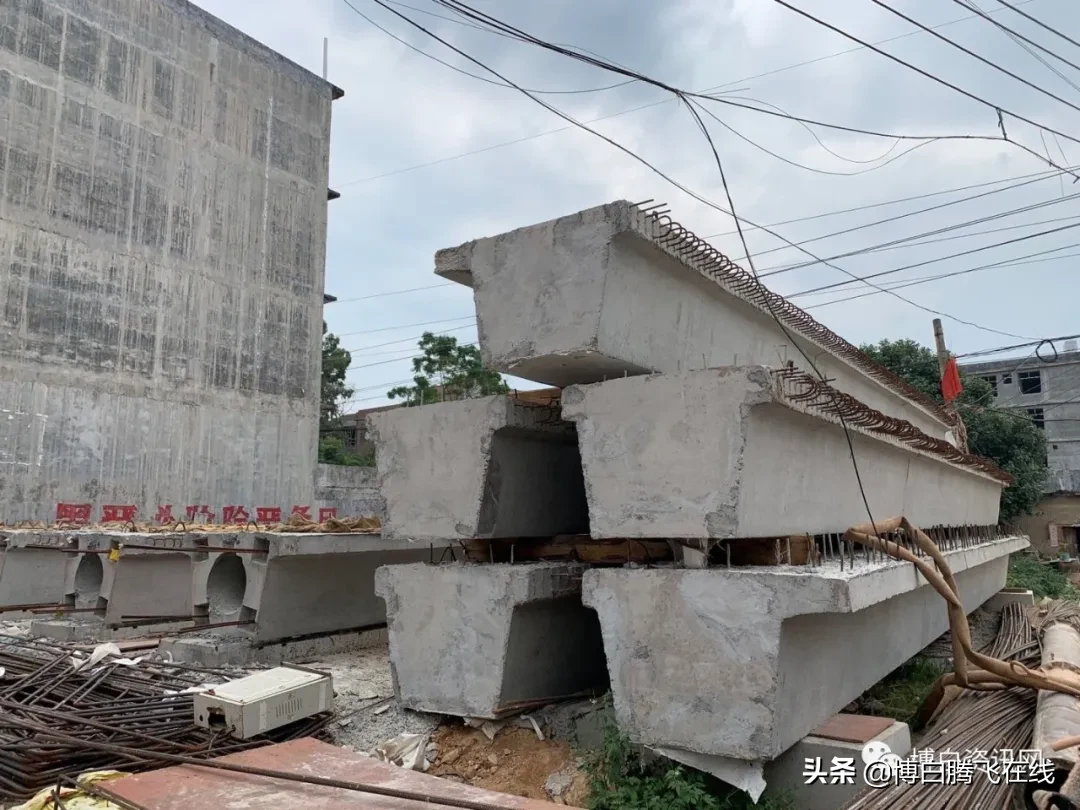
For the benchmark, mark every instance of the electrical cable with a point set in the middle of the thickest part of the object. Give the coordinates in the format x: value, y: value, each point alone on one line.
x: 929, y: 279
x: 456, y: 69
x: 1015, y: 346
x: 859, y: 208
x: 766, y: 74
x: 996, y: 107
x: 978, y: 221
x: 969, y: 252
x: 404, y: 326
x: 399, y: 359
x: 396, y: 292
x: 362, y: 349
x: 975, y: 55
x: 683, y: 96
x: 1024, y: 42
x: 1013, y: 7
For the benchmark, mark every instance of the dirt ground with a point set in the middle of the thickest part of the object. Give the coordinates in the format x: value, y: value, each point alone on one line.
x: 515, y: 762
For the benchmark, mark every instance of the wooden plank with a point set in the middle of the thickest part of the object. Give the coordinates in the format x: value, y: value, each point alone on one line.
x: 853, y: 728
x: 581, y: 548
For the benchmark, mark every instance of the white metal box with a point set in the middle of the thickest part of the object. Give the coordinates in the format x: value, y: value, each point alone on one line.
x: 264, y: 701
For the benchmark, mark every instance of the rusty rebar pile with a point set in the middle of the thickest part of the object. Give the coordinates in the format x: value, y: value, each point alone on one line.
x: 110, y: 703
x: 976, y: 721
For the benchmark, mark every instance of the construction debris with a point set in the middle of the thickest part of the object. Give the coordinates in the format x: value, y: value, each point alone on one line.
x: 251, y: 706
x: 58, y: 706
x: 974, y: 721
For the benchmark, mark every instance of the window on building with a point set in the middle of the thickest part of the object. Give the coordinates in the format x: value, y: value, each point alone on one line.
x: 1006, y: 378
x: 1037, y: 417
x: 1030, y: 382
x: 992, y: 379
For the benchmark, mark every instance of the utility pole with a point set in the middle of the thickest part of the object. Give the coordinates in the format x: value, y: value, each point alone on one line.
x: 943, y: 361
x: 942, y: 352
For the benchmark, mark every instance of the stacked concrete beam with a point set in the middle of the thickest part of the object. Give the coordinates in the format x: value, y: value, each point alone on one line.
x: 489, y: 467
x: 286, y: 585
x: 613, y: 291
x: 696, y: 420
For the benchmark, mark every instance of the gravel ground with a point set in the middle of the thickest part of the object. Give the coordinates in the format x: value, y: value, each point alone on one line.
x: 364, y: 701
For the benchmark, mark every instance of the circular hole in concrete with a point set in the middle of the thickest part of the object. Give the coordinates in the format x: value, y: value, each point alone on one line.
x: 225, y: 588
x: 88, y: 580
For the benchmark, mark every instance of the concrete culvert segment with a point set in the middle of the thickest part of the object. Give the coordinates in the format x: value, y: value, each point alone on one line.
x: 225, y: 588
x: 88, y: 578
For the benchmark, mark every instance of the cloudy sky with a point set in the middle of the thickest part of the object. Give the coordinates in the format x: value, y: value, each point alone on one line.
x: 426, y: 157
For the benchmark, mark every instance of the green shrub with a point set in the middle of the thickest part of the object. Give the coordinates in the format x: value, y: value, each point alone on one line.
x: 1041, y: 578
x: 620, y: 780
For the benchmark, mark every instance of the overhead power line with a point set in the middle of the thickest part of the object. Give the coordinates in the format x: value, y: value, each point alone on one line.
x: 1013, y: 6
x: 944, y: 82
x: 1024, y: 42
x: 1015, y: 346
x: 928, y: 279
x: 405, y: 326
x: 1046, y: 173
x: 456, y: 69
x: 515, y: 141
x: 682, y: 96
x: 882, y: 273
x: 975, y: 55
x: 396, y: 292
x: 935, y: 232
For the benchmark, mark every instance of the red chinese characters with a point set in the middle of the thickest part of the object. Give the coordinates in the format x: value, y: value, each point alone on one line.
x: 199, y: 514
x: 303, y: 511
x: 268, y: 514
x: 73, y: 513
x: 117, y: 513
x: 327, y: 512
x: 235, y: 514
x: 164, y: 514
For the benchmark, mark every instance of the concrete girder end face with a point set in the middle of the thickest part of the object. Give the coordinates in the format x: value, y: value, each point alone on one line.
x: 466, y: 639
x: 746, y: 662
x: 489, y: 467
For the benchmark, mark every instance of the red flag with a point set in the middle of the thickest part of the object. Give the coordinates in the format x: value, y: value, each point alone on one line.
x: 950, y: 381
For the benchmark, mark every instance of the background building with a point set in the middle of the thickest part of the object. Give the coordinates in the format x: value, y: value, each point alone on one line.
x: 1048, y: 393
x: 162, y: 249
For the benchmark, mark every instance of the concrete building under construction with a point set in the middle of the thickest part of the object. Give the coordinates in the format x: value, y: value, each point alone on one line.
x: 162, y: 233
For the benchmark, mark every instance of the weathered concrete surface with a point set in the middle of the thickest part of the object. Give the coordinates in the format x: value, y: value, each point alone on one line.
x: 712, y: 454
x: 743, y: 662
x: 221, y: 649
x: 490, y: 467
x: 352, y: 491
x: 473, y: 640
x: 163, y: 225
x: 323, y: 583
x: 280, y: 586
x: 596, y: 295
x: 30, y: 574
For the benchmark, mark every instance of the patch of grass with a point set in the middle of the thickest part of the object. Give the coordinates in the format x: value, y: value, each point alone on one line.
x: 1041, y: 578
x: 619, y: 779
x: 900, y: 694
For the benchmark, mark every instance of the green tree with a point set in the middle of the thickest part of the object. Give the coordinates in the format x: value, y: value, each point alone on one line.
x: 332, y: 396
x: 1008, y: 438
x: 446, y: 371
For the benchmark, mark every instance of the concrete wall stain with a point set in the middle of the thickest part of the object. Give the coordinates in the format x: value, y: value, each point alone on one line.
x: 163, y: 189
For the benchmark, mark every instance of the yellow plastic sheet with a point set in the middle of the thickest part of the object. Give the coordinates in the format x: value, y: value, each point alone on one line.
x: 74, y: 798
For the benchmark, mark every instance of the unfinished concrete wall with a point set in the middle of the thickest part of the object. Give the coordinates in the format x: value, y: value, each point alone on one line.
x: 728, y: 453
x: 162, y: 241
x: 601, y: 293
x: 352, y: 491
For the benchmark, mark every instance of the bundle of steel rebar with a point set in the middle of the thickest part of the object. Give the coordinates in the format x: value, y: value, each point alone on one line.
x: 138, y: 705
x: 975, y: 721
